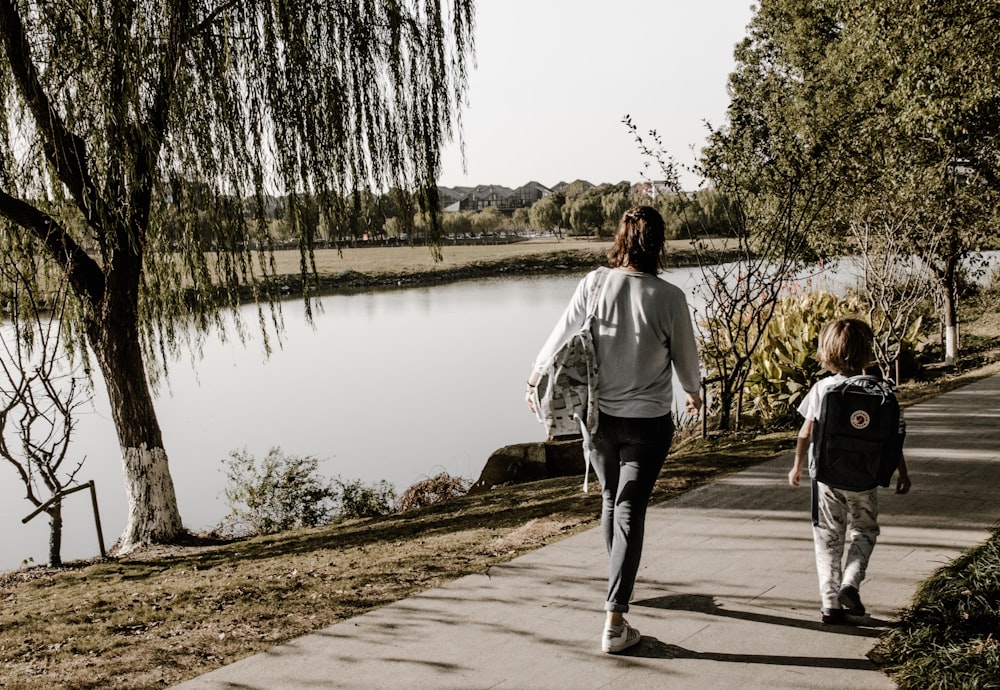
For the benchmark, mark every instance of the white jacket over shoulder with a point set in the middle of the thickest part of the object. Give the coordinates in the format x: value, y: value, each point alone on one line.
x: 642, y: 333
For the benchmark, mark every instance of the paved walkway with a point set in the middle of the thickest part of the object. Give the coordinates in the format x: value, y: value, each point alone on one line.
x: 726, y: 597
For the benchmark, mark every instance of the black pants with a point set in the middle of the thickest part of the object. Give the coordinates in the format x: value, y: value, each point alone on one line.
x: 628, y: 455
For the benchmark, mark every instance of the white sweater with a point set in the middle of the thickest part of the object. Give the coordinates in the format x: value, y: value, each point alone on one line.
x: 642, y: 333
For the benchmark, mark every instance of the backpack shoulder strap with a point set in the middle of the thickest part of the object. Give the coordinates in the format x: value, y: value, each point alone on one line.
x: 596, y: 290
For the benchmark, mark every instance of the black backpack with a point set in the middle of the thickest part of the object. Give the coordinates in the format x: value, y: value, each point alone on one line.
x: 858, y: 439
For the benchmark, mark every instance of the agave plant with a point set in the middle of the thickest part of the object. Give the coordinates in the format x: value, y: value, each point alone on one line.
x: 784, y: 367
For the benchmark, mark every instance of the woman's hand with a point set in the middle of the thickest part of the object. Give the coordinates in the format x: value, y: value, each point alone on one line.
x: 529, y: 394
x: 693, y: 403
x: 903, y: 483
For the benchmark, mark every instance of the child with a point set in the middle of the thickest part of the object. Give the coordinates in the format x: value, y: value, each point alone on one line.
x: 845, y: 348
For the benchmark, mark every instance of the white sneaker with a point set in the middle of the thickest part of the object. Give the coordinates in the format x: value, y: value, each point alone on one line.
x: 619, y: 638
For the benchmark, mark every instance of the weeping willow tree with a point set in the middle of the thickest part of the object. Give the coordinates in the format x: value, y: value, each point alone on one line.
x: 140, y: 139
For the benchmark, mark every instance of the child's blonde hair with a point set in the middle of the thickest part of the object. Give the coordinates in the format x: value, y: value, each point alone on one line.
x: 845, y: 346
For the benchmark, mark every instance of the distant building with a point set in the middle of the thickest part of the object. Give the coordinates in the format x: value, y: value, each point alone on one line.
x: 496, y: 196
x: 450, y: 198
x: 653, y: 189
x: 528, y: 194
x: 487, y: 195
x: 507, y: 200
x: 574, y: 188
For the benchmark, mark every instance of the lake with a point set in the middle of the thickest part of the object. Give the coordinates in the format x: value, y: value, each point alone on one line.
x: 396, y: 385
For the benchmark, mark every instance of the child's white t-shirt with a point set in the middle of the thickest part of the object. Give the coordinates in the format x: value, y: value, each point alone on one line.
x: 809, y: 408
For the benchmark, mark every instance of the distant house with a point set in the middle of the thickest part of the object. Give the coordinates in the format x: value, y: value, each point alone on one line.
x: 653, y: 189
x: 491, y: 196
x: 450, y: 198
x: 486, y: 195
x: 526, y: 195
x: 574, y: 188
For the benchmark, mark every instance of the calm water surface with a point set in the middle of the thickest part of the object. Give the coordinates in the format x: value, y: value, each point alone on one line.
x: 395, y: 385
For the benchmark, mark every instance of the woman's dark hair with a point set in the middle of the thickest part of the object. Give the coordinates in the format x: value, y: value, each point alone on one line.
x: 639, y: 240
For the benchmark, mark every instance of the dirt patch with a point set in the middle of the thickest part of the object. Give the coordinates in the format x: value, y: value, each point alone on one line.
x: 987, y: 325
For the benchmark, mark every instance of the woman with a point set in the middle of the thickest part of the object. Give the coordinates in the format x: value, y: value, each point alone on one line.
x: 642, y: 334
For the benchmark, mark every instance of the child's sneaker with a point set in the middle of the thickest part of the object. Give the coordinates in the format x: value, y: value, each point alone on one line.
x: 834, y: 617
x: 619, y: 638
x: 851, y: 600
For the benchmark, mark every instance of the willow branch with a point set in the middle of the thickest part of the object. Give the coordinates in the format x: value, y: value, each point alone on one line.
x: 84, y: 273
x: 65, y: 151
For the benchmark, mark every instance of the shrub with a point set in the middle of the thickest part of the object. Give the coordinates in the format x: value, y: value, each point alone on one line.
x: 947, y: 637
x: 278, y: 494
x: 784, y: 365
x: 441, y: 487
x: 354, y: 499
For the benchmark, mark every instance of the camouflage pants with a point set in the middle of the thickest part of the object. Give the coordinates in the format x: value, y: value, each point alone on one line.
x: 840, y: 512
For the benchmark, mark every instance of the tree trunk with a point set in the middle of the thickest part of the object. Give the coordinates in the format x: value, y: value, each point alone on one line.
x: 951, y: 343
x: 55, y: 533
x: 950, y: 316
x: 726, y: 399
x: 153, y: 516
x: 949, y: 311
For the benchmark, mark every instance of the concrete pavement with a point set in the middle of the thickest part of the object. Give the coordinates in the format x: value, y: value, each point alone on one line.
x: 726, y: 596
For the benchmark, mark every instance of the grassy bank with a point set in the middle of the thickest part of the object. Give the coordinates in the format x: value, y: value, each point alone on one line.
x: 376, y: 267
x: 361, y: 268
x: 950, y: 636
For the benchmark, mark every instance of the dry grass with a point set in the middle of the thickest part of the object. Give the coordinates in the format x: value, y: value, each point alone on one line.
x: 408, y: 260
x: 393, y: 266
x: 405, y: 260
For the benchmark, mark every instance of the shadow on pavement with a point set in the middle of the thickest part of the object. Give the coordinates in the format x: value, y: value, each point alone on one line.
x: 652, y: 648
x: 866, y: 626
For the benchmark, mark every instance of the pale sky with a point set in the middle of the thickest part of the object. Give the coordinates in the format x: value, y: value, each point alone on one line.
x: 554, y: 78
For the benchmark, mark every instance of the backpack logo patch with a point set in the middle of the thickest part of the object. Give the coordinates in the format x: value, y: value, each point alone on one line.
x: 860, y: 419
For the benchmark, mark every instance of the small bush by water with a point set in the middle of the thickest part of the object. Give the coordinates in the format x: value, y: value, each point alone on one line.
x: 355, y: 499
x: 441, y: 487
x: 276, y: 494
x: 283, y: 492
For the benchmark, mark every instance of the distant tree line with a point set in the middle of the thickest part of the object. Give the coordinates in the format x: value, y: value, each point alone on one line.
x: 397, y: 216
